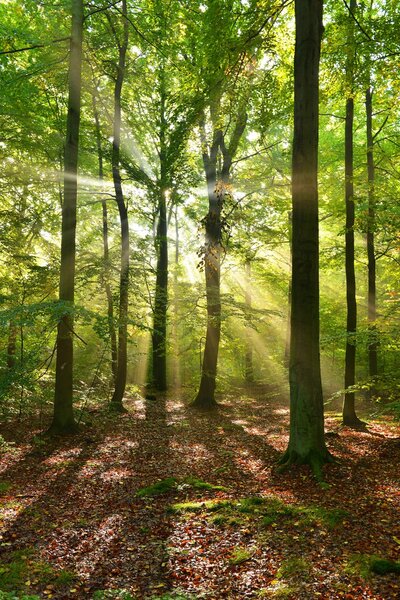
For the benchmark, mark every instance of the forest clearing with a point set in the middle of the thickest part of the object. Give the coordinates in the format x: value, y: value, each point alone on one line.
x: 199, y: 299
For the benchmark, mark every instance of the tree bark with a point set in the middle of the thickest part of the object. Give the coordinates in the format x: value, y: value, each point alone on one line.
x: 349, y: 414
x: 372, y: 346
x: 106, y: 255
x: 63, y: 417
x: 306, y: 442
x: 217, y: 188
x: 116, y: 404
x: 159, y: 335
x: 248, y: 356
x: 176, y: 365
x: 11, y: 345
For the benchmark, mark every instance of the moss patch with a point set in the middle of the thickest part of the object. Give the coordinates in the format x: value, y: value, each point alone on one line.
x: 170, y: 483
x: 267, y: 511
x: 24, y: 568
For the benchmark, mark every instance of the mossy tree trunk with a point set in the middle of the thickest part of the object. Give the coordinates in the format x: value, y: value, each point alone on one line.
x: 63, y: 416
x: 307, y: 441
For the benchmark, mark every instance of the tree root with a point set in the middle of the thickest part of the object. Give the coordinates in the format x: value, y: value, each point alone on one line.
x: 315, y: 460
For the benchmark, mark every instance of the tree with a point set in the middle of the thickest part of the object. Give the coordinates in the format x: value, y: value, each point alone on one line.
x: 349, y: 414
x: 120, y: 381
x: 63, y: 417
x: 307, y: 441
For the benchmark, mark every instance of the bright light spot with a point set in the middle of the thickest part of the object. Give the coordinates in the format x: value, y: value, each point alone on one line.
x: 252, y: 136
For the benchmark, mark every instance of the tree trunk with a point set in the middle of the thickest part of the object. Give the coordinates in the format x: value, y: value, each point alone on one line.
x: 248, y: 356
x: 120, y: 383
x: 177, y: 374
x: 217, y: 187
x: 349, y: 414
x: 306, y: 442
x: 372, y: 346
x: 63, y: 417
x: 11, y: 345
x: 159, y: 335
x: 106, y: 255
x: 205, y: 398
x: 287, y: 341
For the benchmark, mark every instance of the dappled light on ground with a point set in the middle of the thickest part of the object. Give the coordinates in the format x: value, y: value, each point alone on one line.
x: 166, y: 498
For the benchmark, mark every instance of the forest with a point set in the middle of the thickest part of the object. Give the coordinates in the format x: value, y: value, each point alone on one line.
x: 199, y: 300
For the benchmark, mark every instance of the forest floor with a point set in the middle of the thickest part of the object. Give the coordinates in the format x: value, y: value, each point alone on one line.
x: 165, y: 502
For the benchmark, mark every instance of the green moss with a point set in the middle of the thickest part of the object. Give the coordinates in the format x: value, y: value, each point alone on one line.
x: 15, y: 596
x: 381, y: 566
x: 23, y: 567
x: 239, y: 556
x: 4, y: 486
x: 294, y: 567
x: 161, y: 487
x: 170, y: 483
x: 208, y: 505
x: 198, y: 484
x: 359, y: 565
x: 112, y: 594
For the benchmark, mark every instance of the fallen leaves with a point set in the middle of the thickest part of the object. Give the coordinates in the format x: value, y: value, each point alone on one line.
x: 77, y: 505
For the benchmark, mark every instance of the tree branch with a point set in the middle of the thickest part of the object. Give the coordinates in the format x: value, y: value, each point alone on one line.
x: 64, y: 39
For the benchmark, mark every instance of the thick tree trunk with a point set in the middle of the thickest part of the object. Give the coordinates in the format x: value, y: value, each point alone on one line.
x: 248, y: 356
x: 106, y: 255
x: 372, y: 346
x: 349, y: 414
x: 287, y: 342
x: 120, y: 383
x: 159, y: 335
x: 63, y: 417
x: 306, y: 442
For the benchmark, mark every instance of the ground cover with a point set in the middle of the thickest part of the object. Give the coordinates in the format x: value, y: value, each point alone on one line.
x: 166, y: 502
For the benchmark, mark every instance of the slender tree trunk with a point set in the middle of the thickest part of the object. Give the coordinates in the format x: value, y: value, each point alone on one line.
x: 106, y: 255
x: 120, y: 383
x: 307, y: 441
x: 159, y: 335
x: 11, y: 345
x: 248, y: 357
x: 63, y: 417
x: 177, y: 374
x: 349, y: 414
x: 372, y: 346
